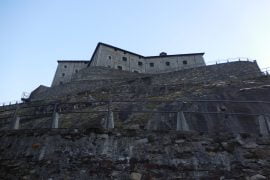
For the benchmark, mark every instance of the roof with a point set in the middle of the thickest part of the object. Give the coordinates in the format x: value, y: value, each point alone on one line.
x: 146, y: 57
x: 172, y: 55
x: 73, y: 61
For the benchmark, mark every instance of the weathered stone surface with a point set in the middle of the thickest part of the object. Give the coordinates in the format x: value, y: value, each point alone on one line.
x: 143, y: 145
x: 102, y: 154
x: 257, y: 177
x: 135, y: 176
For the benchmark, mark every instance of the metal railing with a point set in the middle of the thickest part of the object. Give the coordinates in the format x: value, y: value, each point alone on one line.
x: 109, y: 109
x: 25, y: 95
x: 228, y: 60
x: 10, y: 103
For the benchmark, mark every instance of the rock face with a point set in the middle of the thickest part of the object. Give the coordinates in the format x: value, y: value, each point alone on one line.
x: 204, y: 123
x: 131, y: 154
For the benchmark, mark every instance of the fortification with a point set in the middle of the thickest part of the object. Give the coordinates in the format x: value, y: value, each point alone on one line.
x: 66, y: 69
x: 174, y: 119
x: 113, y: 57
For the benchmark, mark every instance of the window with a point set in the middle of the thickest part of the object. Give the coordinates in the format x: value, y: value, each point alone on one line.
x: 140, y: 63
x: 61, y: 82
x: 167, y: 63
x: 109, y: 57
x: 151, y: 64
x: 119, y: 67
x: 124, y: 58
x: 76, y: 71
x: 184, y: 62
x: 65, y: 66
x: 85, y: 62
x: 63, y: 74
x: 135, y: 71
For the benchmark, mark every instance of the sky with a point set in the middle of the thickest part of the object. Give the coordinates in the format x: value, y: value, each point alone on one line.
x: 34, y: 34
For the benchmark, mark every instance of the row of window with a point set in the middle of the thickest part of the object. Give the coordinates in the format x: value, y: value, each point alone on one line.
x: 76, y: 71
x: 151, y: 64
x: 65, y: 66
x: 120, y: 68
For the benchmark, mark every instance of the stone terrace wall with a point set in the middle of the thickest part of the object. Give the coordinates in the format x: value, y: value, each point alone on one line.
x: 103, y: 73
x: 72, y: 89
x: 211, y: 73
x: 85, y: 82
x: 125, y: 154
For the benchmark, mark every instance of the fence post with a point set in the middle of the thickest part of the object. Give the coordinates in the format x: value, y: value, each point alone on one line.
x: 264, y: 123
x: 55, y: 117
x: 110, y: 121
x: 15, y: 124
x: 181, y: 124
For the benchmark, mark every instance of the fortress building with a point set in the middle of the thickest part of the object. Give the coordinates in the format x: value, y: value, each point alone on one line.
x: 113, y: 57
x: 106, y: 122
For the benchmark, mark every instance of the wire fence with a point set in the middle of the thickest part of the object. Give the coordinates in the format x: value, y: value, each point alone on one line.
x: 110, y: 109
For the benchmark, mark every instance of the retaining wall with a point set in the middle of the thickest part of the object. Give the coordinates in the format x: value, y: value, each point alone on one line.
x: 130, y: 154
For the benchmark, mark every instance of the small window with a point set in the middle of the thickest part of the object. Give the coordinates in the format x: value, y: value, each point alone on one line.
x: 65, y: 66
x: 136, y: 71
x: 124, y: 52
x: 151, y: 64
x: 124, y: 58
x: 167, y: 63
x: 109, y: 66
x: 109, y: 57
x: 85, y: 62
x: 61, y: 82
x: 184, y: 62
x: 63, y: 74
x: 119, y: 67
x: 76, y: 71
x: 140, y: 63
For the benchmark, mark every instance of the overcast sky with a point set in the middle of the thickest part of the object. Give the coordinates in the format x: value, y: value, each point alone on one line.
x: 34, y: 34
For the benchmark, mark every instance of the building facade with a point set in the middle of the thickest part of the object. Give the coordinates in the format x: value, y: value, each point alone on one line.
x: 113, y: 57
x: 66, y: 69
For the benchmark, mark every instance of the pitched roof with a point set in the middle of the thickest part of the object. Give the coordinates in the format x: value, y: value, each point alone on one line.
x: 146, y: 57
x: 73, y: 61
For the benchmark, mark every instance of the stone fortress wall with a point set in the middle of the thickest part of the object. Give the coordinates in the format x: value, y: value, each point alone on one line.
x: 66, y: 69
x: 129, y: 154
x: 116, y: 58
x: 83, y: 82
